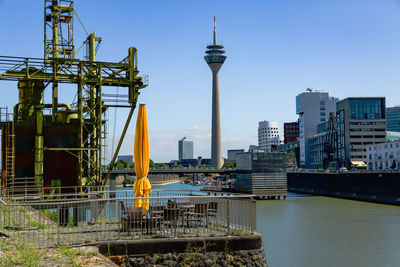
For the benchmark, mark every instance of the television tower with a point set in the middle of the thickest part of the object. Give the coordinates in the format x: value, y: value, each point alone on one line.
x: 215, y: 58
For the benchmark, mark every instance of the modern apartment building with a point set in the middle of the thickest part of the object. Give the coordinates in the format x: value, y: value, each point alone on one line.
x: 393, y: 119
x: 361, y: 121
x: 383, y: 156
x: 290, y: 132
x: 268, y: 135
x: 185, y: 148
x: 313, y: 108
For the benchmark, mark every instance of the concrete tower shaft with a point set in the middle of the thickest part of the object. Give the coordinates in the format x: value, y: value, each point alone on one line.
x: 215, y: 58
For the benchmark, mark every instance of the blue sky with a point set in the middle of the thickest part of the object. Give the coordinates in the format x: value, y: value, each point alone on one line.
x: 275, y: 49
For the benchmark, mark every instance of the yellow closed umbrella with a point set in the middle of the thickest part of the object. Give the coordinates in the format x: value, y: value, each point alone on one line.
x: 142, y: 187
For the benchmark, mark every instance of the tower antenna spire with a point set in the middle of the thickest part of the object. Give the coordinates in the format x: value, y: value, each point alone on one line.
x: 215, y: 32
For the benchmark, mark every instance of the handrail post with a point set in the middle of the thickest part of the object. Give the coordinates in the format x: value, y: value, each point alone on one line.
x: 228, y: 217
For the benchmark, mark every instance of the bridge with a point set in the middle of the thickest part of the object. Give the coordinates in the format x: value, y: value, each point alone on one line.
x: 180, y: 171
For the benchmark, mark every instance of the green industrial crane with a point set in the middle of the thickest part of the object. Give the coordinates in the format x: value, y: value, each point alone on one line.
x: 60, y: 66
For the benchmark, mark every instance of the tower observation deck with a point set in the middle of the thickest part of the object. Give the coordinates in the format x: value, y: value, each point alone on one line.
x: 215, y: 58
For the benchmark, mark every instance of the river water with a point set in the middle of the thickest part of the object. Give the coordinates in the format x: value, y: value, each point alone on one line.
x: 308, y: 231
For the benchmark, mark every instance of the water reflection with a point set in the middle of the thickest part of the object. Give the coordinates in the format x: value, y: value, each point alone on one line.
x: 321, y: 231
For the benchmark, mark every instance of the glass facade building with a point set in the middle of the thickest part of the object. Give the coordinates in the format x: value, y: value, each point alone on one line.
x: 361, y: 121
x: 361, y: 109
x: 393, y: 119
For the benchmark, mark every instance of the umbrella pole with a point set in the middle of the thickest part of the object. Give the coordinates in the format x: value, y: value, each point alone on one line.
x: 110, y: 168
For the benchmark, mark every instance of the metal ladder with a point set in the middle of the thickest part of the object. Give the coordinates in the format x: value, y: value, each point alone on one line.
x: 10, y: 150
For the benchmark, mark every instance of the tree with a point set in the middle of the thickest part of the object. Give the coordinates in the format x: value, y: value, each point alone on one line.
x: 161, y: 166
x: 121, y: 164
x: 151, y: 164
x: 205, y: 166
x: 229, y: 165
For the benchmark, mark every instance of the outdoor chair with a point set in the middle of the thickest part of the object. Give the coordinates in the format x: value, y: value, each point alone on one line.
x: 131, y: 218
x: 197, y: 215
x: 212, y: 209
x: 156, y: 216
x: 171, y: 215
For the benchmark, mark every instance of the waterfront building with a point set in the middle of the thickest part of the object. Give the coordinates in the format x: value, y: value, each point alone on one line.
x: 313, y: 108
x: 292, y: 151
x: 393, y: 119
x: 383, y: 156
x: 261, y: 173
x: 268, y: 135
x: 185, y: 148
x: 215, y: 58
x: 360, y: 121
x: 291, y: 132
x: 232, y: 154
x: 127, y: 158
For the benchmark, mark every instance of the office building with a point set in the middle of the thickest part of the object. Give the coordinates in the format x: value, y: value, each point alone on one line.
x: 268, y: 135
x: 291, y: 132
x: 215, y: 58
x: 127, y: 158
x: 185, y: 147
x: 316, y: 147
x: 383, y: 156
x: 232, y: 154
x: 393, y: 119
x: 360, y: 121
x: 313, y: 108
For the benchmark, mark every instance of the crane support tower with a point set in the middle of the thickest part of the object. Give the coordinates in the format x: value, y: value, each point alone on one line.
x: 330, y: 144
x: 48, y: 146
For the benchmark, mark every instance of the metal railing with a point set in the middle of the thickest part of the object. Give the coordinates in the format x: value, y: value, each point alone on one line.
x: 74, y: 219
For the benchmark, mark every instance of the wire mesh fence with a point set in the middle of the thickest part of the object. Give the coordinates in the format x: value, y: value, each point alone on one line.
x: 74, y: 219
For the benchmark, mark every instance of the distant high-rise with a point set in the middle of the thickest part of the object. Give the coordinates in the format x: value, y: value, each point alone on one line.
x: 215, y: 58
x: 313, y: 108
x: 185, y: 149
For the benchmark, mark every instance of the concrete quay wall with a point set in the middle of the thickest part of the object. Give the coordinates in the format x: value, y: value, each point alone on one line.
x: 372, y: 187
x: 246, y: 250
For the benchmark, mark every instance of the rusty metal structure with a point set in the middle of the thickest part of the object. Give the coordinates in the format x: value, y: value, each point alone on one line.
x: 60, y: 144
